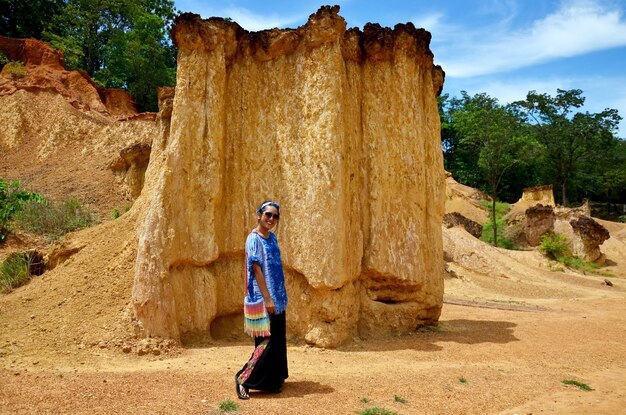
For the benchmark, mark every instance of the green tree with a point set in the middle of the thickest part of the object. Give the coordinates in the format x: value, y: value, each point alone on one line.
x: 120, y: 43
x: 569, y: 138
x: 27, y: 18
x: 497, y: 134
x: 459, y: 159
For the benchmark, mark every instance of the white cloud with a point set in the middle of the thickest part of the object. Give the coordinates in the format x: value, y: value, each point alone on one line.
x: 576, y: 28
x: 431, y: 22
x: 255, y: 22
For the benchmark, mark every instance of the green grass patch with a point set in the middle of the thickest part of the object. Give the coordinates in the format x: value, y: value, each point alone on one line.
x: 399, y: 399
x: 364, y: 400
x: 462, y: 380
x: 376, y: 411
x: 12, y: 199
x: 487, y: 235
x: 14, y: 272
x: 502, y: 208
x: 54, y: 219
x: 229, y: 406
x: 578, y: 384
x: 555, y: 246
x: 117, y: 212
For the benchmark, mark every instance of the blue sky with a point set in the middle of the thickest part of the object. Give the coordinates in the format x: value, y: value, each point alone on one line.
x: 502, y: 47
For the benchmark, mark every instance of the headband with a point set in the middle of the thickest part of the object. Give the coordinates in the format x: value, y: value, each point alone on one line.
x: 264, y: 204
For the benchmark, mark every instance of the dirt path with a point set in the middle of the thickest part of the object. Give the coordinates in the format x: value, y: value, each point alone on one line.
x: 512, y: 361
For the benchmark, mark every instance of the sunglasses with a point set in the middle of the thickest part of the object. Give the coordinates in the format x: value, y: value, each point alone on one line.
x: 271, y: 215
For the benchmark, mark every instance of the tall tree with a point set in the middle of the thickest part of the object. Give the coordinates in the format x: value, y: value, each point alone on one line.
x: 459, y: 159
x: 27, y: 18
x: 497, y: 134
x: 568, y: 137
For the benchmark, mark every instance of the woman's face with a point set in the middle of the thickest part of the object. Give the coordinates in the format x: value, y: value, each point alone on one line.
x: 269, y: 217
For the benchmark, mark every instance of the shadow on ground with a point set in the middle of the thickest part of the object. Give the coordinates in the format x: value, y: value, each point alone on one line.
x: 296, y: 389
x: 431, y: 338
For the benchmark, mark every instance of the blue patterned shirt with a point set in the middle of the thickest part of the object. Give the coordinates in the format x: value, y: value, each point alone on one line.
x: 266, y: 253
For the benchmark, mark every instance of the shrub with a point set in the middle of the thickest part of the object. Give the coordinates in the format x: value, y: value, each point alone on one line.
x: 3, y: 60
x: 376, y: 411
x: 16, y: 69
x: 54, y: 219
x: 554, y: 245
x: 116, y: 214
x: 12, y: 198
x: 14, y: 271
x: 399, y: 399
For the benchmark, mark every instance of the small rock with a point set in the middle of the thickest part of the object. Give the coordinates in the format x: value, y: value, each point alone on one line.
x: 126, y: 348
x: 608, y: 282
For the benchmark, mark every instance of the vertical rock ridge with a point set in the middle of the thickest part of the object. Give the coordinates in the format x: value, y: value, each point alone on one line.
x: 341, y: 127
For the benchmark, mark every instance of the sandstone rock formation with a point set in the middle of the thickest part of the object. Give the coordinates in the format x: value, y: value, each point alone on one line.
x: 456, y: 219
x: 588, y: 235
x: 584, y: 235
x: 539, y: 220
x: 539, y: 194
x: 341, y: 127
x: 465, y: 200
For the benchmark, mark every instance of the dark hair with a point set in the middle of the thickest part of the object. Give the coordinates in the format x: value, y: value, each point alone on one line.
x: 267, y: 203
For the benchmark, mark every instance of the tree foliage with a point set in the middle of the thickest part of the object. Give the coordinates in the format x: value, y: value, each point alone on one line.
x: 27, y: 18
x: 577, y: 152
x: 496, y: 136
x: 569, y: 139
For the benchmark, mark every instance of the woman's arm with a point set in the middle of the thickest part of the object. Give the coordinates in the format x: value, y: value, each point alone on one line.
x: 260, y: 280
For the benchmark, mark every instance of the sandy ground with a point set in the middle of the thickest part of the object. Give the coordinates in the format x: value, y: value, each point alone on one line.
x: 514, y: 326
x: 513, y: 356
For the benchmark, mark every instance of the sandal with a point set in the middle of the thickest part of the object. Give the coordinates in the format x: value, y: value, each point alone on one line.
x: 242, y: 391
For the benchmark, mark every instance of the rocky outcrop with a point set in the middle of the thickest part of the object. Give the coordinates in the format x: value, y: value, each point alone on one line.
x: 589, y: 236
x: 43, y: 70
x: 341, y: 127
x: 456, y: 219
x: 465, y: 200
x: 539, y: 194
x: 584, y: 235
x: 539, y: 220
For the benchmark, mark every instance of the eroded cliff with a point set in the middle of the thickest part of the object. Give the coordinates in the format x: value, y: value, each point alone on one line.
x: 341, y: 128
x: 56, y: 123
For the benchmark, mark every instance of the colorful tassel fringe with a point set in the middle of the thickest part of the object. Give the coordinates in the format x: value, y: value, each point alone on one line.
x: 256, y: 322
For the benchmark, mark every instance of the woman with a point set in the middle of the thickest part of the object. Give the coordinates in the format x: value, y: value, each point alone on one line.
x: 267, y: 368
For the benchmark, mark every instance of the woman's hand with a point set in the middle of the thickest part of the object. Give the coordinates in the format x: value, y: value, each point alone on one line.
x: 270, y: 307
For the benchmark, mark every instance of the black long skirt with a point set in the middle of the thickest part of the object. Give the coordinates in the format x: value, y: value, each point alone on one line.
x: 267, y: 368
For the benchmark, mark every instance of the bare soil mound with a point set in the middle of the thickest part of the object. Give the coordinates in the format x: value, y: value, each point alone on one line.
x: 61, y: 132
